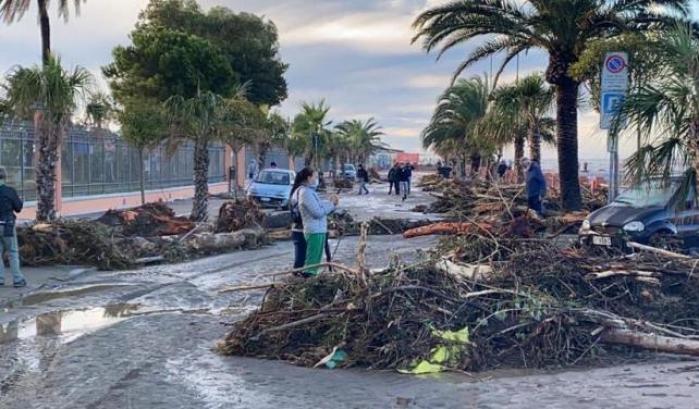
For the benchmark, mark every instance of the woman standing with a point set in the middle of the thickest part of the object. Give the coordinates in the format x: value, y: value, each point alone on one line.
x: 306, y: 179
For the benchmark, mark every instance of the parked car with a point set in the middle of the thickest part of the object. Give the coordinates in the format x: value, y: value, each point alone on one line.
x: 349, y: 172
x: 651, y: 213
x: 272, y: 188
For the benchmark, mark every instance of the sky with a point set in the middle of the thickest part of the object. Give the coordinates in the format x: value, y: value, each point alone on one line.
x: 355, y: 54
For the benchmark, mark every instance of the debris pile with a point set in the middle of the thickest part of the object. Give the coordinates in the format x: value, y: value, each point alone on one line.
x: 341, y: 223
x: 71, y: 242
x: 342, y: 183
x: 374, y: 175
x: 148, y: 220
x: 122, y: 239
x: 239, y: 214
x: 510, y: 306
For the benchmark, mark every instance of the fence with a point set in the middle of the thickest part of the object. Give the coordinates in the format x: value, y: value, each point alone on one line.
x: 97, y: 162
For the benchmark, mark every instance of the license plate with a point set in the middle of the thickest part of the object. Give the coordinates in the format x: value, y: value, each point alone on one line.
x: 265, y: 199
x: 602, y: 241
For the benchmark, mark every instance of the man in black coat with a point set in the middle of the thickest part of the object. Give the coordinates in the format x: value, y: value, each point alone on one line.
x: 10, y: 203
x: 363, y: 178
x: 394, y: 179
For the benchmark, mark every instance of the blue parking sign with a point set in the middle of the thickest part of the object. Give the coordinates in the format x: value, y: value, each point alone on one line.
x: 612, y: 102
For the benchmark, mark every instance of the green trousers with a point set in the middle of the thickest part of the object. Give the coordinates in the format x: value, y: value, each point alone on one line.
x: 315, y: 244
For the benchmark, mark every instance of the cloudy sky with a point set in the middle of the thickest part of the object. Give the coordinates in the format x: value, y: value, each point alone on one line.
x: 356, y: 54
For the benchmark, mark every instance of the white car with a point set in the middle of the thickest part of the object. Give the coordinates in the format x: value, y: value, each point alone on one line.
x: 272, y: 187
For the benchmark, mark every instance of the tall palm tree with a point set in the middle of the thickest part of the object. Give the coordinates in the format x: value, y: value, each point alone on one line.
x: 310, y: 130
x: 459, y: 117
x: 527, y: 101
x: 51, y: 94
x: 363, y: 137
x: 563, y: 28
x: 666, y: 110
x: 201, y: 120
x: 11, y: 10
x: 99, y: 110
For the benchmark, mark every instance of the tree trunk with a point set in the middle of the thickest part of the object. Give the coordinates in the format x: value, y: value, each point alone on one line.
x: 200, y: 212
x: 48, y: 142
x: 519, y: 154
x: 534, y: 140
x: 567, y: 143
x: 142, y: 170
x: 45, y: 30
x: 694, y: 144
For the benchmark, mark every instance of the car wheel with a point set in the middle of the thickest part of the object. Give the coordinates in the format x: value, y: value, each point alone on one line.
x: 665, y: 239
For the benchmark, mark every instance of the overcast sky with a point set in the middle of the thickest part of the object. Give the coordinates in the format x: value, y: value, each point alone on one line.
x: 356, y: 54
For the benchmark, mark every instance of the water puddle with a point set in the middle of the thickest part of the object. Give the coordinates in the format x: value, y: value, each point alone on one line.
x: 68, y: 325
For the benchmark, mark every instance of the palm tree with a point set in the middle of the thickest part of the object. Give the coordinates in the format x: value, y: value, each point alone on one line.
x: 363, y: 137
x: 51, y: 94
x: 11, y: 10
x: 666, y: 110
x: 99, y: 110
x: 563, y: 28
x: 201, y: 120
x: 458, y: 119
x: 310, y: 130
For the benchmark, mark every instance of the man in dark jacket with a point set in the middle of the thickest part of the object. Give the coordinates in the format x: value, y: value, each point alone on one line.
x: 404, y: 179
x: 363, y: 177
x: 409, y: 168
x: 536, y: 185
x: 394, y: 179
x: 10, y: 203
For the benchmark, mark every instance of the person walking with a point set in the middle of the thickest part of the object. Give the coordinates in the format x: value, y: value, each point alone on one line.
x: 410, y: 168
x: 502, y: 169
x: 536, y: 185
x: 297, y: 235
x: 314, y: 215
x: 363, y: 177
x: 394, y: 179
x: 404, y: 179
x: 252, y: 170
x: 10, y: 203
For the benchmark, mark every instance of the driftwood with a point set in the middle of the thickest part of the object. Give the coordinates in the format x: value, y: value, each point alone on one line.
x: 656, y: 250
x: 447, y: 228
x: 651, y: 342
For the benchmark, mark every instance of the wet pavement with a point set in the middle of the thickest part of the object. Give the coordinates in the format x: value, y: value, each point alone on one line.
x: 144, y: 338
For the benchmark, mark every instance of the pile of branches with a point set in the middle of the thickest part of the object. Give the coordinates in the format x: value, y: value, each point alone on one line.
x: 148, y: 220
x: 72, y: 242
x: 342, y: 183
x: 532, y: 306
x: 341, y: 223
x: 239, y: 214
x: 374, y: 175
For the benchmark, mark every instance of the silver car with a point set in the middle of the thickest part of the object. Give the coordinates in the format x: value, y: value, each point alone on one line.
x: 272, y: 188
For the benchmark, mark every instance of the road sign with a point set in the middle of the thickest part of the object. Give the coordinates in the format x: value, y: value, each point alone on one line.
x: 612, y: 102
x: 615, y: 83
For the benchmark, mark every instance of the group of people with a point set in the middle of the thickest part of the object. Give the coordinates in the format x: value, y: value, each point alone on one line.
x: 400, y: 179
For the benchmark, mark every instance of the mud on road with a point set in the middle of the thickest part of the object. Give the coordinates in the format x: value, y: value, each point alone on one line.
x: 144, y: 338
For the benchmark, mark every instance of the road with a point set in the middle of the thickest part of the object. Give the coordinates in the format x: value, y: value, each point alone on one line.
x: 144, y: 339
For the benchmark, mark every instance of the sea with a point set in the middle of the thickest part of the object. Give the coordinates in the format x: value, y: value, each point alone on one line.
x: 596, y: 167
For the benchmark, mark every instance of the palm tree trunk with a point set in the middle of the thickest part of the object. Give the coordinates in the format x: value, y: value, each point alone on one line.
x: 142, y: 178
x: 45, y: 30
x: 200, y: 210
x: 694, y: 144
x: 567, y: 142
x: 519, y: 154
x: 48, y: 138
x: 534, y: 140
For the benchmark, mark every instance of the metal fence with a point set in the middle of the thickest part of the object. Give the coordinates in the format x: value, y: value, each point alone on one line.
x: 98, y: 162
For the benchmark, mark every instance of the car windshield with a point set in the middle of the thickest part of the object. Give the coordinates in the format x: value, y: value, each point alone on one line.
x: 268, y: 177
x: 349, y: 167
x: 647, y: 195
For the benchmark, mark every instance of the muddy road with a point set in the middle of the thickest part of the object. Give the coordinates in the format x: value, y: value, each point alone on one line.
x: 144, y: 339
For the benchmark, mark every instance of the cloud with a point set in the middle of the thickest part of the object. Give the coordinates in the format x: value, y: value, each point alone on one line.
x: 430, y: 81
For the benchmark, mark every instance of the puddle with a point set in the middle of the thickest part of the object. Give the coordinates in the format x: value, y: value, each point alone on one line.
x: 68, y: 325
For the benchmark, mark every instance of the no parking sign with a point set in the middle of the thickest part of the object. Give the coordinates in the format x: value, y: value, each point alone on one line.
x: 615, y: 83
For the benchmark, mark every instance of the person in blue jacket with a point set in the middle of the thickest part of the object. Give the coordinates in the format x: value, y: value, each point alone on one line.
x: 536, y: 185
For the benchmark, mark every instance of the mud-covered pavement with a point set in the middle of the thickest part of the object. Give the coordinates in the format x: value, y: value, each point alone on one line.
x: 144, y: 339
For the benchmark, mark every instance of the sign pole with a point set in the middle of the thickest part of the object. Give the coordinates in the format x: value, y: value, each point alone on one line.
x: 615, y: 84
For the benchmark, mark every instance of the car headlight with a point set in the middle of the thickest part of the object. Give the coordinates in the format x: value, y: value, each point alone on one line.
x: 586, y: 224
x: 634, y: 227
